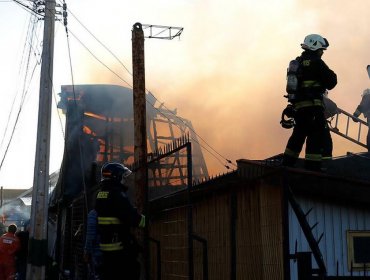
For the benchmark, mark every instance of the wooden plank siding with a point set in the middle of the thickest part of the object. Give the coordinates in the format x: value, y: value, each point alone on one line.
x: 334, y: 220
x: 258, y: 234
x: 170, y: 229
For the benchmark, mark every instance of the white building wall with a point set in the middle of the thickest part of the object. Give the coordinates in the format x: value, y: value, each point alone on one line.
x: 333, y: 220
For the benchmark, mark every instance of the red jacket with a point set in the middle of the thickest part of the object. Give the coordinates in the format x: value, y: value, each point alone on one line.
x: 9, y: 245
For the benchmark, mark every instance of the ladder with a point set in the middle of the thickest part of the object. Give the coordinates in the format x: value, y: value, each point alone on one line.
x: 350, y: 130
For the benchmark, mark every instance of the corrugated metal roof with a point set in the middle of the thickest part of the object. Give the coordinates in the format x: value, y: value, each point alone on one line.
x: 26, y: 200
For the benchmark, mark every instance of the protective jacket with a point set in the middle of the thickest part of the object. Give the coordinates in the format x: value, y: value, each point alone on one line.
x: 363, y: 107
x: 9, y: 245
x: 315, y: 78
x: 116, y: 216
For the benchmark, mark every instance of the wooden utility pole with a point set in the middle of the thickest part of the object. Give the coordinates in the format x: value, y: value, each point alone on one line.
x: 37, y: 256
x: 140, y: 146
x: 140, y: 136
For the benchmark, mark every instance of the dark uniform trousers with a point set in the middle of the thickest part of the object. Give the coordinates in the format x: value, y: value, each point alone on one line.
x: 119, y: 265
x: 311, y: 126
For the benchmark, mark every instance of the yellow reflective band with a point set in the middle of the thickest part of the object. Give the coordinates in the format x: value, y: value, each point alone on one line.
x: 314, y: 157
x: 108, y: 221
x: 308, y: 103
x: 291, y: 153
x: 306, y: 62
x: 142, y: 221
x: 102, y: 195
x: 327, y: 158
x: 306, y: 84
x: 111, y: 246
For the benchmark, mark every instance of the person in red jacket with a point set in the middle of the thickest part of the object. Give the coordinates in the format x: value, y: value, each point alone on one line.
x: 9, y: 245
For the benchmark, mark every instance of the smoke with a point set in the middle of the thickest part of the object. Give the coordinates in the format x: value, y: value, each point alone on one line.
x: 15, y: 213
x: 227, y: 72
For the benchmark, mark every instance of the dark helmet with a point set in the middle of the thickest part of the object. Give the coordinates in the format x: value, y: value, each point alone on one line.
x: 115, y: 171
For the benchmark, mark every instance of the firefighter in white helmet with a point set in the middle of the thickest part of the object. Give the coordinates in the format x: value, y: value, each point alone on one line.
x: 314, y: 77
x: 364, y: 108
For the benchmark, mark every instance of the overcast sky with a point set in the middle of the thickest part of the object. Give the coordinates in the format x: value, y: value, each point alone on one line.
x: 226, y: 73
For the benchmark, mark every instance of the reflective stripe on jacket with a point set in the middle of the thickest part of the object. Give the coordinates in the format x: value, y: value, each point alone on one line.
x: 315, y: 78
x: 116, y: 217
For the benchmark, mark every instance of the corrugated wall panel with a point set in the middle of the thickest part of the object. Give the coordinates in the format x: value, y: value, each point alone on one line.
x: 211, y: 220
x: 271, y: 232
x: 170, y: 230
x: 248, y: 236
x: 334, y: 221
x: 258, y: 236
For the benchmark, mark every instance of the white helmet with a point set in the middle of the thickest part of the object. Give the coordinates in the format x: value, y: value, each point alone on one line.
x: 314, y: 42
x: 366, y: 92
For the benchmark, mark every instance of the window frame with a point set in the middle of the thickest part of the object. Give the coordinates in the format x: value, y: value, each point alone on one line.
x: 350, y: 250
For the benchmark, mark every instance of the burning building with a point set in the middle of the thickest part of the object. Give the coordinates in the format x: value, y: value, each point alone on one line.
x: 100, y: 128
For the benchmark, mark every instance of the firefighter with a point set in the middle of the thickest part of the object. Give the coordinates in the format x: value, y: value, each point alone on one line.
x: 116, y: 218
x: 9, y: 246
x: 315, y: 77
x: 364, y: 108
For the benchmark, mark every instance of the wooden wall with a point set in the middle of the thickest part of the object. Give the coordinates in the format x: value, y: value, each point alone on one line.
x: 254, y: 209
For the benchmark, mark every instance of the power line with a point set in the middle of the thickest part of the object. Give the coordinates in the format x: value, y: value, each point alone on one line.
x: 122, y: 79
x: 30, y: 34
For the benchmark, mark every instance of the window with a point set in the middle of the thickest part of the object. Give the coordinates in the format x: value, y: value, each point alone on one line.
x: 358, y: 244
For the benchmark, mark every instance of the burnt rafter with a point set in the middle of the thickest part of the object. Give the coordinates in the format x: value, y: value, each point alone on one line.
x: 175, y: 146
x: 173, y: 169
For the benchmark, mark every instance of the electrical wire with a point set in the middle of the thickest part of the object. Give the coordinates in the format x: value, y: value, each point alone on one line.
x: 129, y: 72
x: 27, y: 8
x: 104, y: 46
x: 195, y: 140
x: 24, y: 91
x: 81, y: 154
x: 14, y: 127
x: 100, y: 61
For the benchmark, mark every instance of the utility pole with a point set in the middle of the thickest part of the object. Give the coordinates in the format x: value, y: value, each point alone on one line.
x: 37, y: 256
x: 140, y: 146
x: 140, y: 136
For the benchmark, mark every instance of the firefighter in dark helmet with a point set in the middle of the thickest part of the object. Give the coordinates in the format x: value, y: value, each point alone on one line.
x: 116, y: 218
x: 314, y: 78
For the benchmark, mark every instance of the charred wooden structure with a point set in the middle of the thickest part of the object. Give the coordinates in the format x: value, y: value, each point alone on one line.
x: 99, y: 128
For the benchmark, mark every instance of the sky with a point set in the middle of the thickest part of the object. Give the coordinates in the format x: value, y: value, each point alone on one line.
x: 226, y: 73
